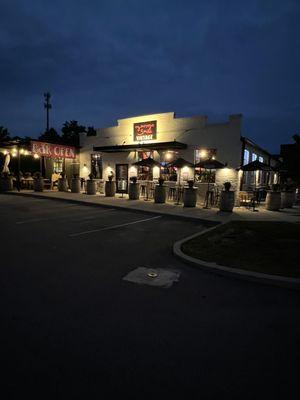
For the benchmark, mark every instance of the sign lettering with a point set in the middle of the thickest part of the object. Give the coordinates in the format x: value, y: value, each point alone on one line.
x: 144, y: 131
x: 52, y: 150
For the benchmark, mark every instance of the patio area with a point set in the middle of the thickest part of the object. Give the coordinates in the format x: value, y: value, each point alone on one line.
x: 170, y: 208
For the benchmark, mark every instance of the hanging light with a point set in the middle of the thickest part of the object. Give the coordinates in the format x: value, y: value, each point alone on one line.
x: 36, y: 156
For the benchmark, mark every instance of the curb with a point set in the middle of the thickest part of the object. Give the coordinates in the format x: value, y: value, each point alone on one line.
x: 205, y: 222
x: 211, y: 267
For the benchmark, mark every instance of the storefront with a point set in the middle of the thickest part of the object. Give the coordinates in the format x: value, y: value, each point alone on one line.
x: 24, y: 160
x: 56, y: 158
x: 164, y: 137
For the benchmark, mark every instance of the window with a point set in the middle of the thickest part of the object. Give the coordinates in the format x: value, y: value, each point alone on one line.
x: 246, y: 156
x: 58, y: 165
x: 96, y: 165
x: 204, y: 154
x: 254, y: 156
x: 260, y: 159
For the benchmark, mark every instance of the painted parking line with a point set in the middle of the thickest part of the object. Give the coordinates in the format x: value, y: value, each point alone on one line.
x: 33, y: 220
x: 114, y: 226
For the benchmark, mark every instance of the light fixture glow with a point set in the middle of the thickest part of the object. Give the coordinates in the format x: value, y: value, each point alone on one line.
x: 203, y: 153
x: 168, y: 155
x: 36, y: 156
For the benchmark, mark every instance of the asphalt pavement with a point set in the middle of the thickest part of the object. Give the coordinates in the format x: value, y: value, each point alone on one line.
x: 72, y: 328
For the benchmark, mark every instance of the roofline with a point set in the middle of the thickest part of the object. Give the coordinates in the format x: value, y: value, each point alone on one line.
x: 245, y: 139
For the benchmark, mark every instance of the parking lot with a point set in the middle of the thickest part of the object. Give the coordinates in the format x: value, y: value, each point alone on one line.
x: 73, y: 328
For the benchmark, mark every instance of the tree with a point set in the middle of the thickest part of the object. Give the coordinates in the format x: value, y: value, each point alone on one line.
x: 71, y: 131
x: 4, y: 135
x: 91, y: 131
x: 50, y: 136
x: 296, y: 138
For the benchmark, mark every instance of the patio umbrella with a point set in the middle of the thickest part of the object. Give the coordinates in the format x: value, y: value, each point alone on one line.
x: 180, y: 163
x: 209, y: 164
x: 256, y: 166
x: 147, y: 162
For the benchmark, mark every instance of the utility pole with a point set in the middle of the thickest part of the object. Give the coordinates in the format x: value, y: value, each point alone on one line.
x: 47, y: 105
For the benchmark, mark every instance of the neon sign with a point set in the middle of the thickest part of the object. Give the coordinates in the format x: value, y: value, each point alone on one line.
x: 144, y: 131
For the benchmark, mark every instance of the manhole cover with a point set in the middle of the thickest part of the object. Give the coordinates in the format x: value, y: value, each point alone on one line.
x: 159, y: 277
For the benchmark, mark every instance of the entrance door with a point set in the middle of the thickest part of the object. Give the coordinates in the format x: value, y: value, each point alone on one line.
x: 122, y: 178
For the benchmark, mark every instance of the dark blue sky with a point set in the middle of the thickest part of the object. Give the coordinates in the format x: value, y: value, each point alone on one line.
x: 104, y: 60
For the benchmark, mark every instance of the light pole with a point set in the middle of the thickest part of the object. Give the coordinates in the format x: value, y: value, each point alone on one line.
x: 47, y: 106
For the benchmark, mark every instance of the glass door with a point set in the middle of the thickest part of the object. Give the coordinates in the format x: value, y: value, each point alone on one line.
x: 122, y: 178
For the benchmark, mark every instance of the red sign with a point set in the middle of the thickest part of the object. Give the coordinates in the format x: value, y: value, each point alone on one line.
x: 144, y: 131
x: 52, y: 150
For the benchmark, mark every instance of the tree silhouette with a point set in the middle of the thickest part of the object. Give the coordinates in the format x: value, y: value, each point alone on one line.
x: 71, y: 131
x: 50, y: 136
x: 4, y: 135
x: 91, y: 131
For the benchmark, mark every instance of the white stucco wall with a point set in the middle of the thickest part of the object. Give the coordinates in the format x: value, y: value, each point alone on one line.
x: 195, y: 131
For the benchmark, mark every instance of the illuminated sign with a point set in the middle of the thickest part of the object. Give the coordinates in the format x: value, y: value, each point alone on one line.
x: 52, y: 150
x: 144, y: 131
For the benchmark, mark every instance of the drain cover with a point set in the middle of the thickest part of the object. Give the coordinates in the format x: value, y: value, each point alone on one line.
x: 159, y: 277
x: 152, y: 274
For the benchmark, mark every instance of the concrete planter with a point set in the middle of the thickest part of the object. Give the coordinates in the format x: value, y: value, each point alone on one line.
x: 75, y: 185
x: 6, y: 184
x: 273, y: 201
x: 190, y: 197
x: 110, y: 188
x: 160, y: 194
x: 134, y: 191
x: 287, y: 199
x: 90, y: 186
x: 227, y: 200
x: 62, y: 185
x: 38, y: 184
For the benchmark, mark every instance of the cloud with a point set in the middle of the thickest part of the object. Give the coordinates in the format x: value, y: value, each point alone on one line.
x: 103, y: 60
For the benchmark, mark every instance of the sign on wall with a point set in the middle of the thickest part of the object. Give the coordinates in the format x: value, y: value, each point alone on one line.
x: 52, y: 150
x: 144, y: 131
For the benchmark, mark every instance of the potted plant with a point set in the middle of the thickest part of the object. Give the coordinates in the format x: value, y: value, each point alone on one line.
x: 91, y: 185
x: 160, y: 192
x: 110, y: 186
x: 62, y: 183
x: 38, y: 182
x: 6, y: 182
x: 227, y: 198
x: 134, y: 189
x: 75, y: 184
x: 190, y: 195
x: 288, y: 197
x: 273, y: 199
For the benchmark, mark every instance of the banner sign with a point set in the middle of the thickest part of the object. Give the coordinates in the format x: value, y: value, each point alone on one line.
x: 52, y: 150
x: 144, y: 131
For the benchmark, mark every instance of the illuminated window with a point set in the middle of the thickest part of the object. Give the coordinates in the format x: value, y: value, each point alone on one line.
x: 254, y: 156
x: 204, y: 154
x: 96, y: 165
x: 246, y: 156
x: 58, y: 165
x: 260, y: 159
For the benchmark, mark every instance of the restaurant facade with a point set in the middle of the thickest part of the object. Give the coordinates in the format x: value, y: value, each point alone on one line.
x: 164, y: 137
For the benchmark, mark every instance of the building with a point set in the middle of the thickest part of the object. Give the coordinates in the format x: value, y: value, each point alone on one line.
x: 114, y: 150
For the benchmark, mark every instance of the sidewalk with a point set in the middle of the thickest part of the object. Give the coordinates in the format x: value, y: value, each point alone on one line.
x: 198, y: 213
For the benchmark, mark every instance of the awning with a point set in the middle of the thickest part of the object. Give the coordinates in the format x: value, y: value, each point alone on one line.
x: 141, y: 147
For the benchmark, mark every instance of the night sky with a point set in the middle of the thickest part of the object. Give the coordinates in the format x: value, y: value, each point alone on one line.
x: 107, y: 59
